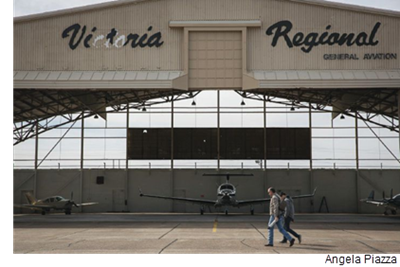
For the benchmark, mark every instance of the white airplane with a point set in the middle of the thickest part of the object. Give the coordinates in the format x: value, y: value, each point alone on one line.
x: 52, y: 203
x: 226, y: 197
x: 390, y: 204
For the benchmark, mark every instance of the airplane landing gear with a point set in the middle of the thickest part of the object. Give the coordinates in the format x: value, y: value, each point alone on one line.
x: 386, y: 213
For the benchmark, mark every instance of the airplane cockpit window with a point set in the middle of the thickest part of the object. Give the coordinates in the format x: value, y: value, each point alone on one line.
x: 51, y: 199
x: 59, y: 198
x: 226, y: 186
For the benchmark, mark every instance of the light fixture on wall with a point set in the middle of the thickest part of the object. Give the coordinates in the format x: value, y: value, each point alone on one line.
x: 144, y: 109
x: 145, y: 131
x: 194, y: 103
x: 96, y: 116
x: 342, y: 117
x: 243, y: 103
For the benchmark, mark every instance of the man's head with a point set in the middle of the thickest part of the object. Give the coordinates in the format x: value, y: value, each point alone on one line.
x: 283, y: 195
x: 271, y: 191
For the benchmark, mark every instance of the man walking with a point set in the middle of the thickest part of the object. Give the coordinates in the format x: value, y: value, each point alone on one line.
x: 275, y: 218
x: 289, y: 217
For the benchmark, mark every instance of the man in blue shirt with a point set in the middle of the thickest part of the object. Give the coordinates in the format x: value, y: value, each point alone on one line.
x: 288, y: 206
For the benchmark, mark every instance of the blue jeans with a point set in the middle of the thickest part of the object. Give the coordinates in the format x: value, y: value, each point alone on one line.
x: 280, y: 227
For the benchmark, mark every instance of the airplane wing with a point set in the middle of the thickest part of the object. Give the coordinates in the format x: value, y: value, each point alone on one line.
x: 253, y: 201
x: 29, y: 206
x: 305, y: 196
x: 87, y: 204
x: 193, y: 200
x: 374, y: 202
x: 263, y: 200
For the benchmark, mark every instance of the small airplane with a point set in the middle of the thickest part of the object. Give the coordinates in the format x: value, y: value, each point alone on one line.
x: 390, y: 204
x: 52, y: 203
x: 226, y: 197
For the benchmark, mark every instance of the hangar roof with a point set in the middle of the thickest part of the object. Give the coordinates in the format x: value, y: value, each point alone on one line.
x: 95, y: 79
x: 371, y: 91
x: 357, y: 8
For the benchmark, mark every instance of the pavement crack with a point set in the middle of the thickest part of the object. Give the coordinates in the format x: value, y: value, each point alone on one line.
x: 357, y: 234
x: 377, y: 250
x: 167, y: 246
x: 76, y: 242
x: 258, y: 231
x: 169, y: 231
x: 60, y: 237
x: 276, y: 251
x: 248, y: 245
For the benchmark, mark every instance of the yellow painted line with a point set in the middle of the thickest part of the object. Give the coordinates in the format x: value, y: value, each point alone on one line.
x: 215, y: 226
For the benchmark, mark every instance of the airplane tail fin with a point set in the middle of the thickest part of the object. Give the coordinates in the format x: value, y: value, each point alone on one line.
x: 371, y: 195
x: 31, y: 199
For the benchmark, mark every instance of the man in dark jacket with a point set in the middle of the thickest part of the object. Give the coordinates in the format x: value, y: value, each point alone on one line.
x: 288, y: 216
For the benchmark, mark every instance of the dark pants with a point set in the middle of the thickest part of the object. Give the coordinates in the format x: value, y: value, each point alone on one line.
x: 287, y: 228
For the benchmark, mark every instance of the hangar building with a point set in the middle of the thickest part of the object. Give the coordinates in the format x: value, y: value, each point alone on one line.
x: 124, y: 55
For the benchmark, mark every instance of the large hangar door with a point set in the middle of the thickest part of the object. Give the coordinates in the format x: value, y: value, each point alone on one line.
x: 215, y: 59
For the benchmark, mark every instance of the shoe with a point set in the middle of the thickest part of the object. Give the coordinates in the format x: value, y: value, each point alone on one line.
x: 283, y: 241
x: 299, y: 238
x: 268, y: 245
x: 291, y: 242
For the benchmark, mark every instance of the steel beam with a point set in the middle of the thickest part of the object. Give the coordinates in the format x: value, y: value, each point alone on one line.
x: 265, y: 133
x: 82, y: 155
x: 36, y: 160
x: 218, y: 131
x: 127, y: 160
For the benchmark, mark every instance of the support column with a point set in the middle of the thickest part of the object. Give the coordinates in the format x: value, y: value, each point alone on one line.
x: 172, y: 132
x: 310, y: 126
x: 265, y: 133
x: 357, y: 150
x: 172, y: 182
x: 82, y: 156
x: 127, y: 161
x: 357, y: 164
x: 218, y: 131
x: 36, y: 158
x: 265, y: 152
x: 311, y: 156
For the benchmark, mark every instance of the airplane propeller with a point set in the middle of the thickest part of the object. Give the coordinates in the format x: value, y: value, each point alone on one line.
x: 71, y: 201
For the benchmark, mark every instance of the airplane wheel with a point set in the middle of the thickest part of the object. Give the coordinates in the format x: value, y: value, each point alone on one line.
x: 43, y: 212
x: 393, y: 212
